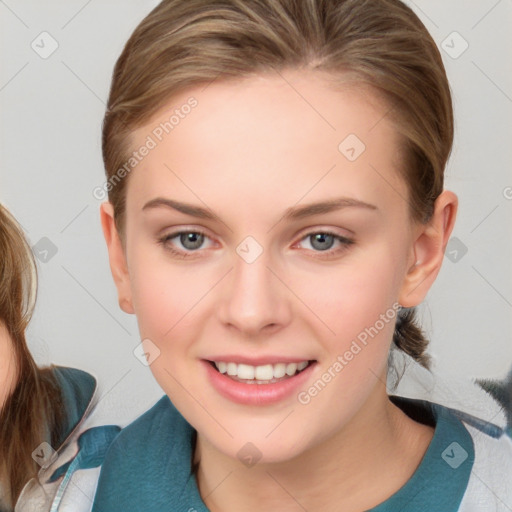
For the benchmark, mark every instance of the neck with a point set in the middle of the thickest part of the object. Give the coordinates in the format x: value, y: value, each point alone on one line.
x: 356, y: 469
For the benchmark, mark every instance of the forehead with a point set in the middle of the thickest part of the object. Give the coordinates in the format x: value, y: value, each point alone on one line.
x: 288, y: 134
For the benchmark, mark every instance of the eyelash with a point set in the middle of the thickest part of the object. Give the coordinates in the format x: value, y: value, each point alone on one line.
x: 345, y: 243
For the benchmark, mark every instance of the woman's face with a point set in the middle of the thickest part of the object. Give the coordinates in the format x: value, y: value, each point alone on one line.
x: 260, y: 279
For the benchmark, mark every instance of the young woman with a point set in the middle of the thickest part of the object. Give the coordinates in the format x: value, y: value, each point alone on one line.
x: 42, y: 410
x: 276, y: 212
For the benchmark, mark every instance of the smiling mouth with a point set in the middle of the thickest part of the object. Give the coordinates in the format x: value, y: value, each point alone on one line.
x: 263, y: 374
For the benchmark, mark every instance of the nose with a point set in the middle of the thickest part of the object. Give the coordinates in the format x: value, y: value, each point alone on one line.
x: 254, y: 301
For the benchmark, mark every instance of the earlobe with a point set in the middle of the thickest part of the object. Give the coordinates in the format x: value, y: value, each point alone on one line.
x: 117, y: 258
x: 428, y: 250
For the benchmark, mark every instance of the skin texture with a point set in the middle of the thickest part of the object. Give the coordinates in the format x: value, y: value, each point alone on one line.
x: 250, y: 150
x: 7, y: 365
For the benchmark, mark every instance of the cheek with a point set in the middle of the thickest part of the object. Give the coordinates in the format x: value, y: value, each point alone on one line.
x: 164, y: 295
x: 166, y: 299
x: 356, y: 302
x: 359, y: 308
x: 351, y: 296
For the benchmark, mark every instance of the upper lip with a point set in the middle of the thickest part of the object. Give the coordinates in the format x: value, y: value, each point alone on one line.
x: 257, y: 361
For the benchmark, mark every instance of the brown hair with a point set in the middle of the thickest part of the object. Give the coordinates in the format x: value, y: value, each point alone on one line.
x: 381, y: 43
x: 32, y: 413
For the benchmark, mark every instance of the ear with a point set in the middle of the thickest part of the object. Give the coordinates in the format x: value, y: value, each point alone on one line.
x: 430, y: 242
x: 117, y: 258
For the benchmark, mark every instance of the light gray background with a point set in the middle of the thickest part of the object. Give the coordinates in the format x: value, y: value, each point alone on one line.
x: 51, y: 113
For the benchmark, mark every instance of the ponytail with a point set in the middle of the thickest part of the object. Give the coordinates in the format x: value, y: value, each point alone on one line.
x: 410, y: 338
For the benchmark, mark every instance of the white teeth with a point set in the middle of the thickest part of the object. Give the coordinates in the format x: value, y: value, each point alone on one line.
x: 279, y: 370
x: 264, y: 372
x: 245, y: 372
x: 291, y: 368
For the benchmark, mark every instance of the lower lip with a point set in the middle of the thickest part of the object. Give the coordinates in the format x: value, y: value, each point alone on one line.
x: 256, y: 394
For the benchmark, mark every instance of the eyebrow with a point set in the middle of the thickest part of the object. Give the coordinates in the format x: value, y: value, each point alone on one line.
x: 293, y: 213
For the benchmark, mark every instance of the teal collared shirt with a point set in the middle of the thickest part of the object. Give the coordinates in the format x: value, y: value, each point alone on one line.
x: 149, y: 465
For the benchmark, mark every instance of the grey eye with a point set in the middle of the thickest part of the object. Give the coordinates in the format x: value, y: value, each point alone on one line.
x: 191, y: 240
x: 322, y: 241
